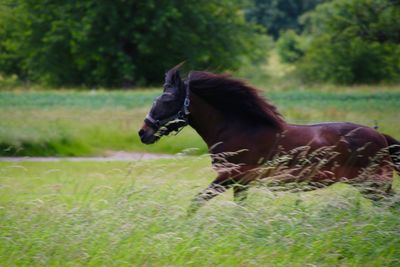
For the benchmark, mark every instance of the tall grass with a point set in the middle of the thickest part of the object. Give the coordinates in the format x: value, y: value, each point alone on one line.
x: 89, y: 123
x: 134, y: 214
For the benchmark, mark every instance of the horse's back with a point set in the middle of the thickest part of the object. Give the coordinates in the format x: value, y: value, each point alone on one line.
x: 334, y: 133
x: 355, y: 146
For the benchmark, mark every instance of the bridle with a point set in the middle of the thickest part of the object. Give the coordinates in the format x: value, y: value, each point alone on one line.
x: 174, y: 123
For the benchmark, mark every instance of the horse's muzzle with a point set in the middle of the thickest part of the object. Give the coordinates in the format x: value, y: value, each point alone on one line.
x: 147, y: 136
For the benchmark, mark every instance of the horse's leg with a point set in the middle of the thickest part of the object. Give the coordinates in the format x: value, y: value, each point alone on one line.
x: 377, y: 187
x: 218, y: 186
x: 240, y: 193
x: 375, y: 191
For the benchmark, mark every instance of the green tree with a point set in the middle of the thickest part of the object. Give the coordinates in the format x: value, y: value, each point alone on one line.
x: 280, y: 15
x: 111, y: 43
x: 10, y: 39
x: 289, y: 47
x: 356, y: 41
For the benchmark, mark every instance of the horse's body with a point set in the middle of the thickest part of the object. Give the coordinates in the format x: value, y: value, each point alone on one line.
x: 231, y: 116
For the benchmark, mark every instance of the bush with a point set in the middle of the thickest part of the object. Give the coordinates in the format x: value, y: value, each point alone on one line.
x: 289, y: 47
x: 355, y: 61
x: 354, y: 41
x: 278, y: 16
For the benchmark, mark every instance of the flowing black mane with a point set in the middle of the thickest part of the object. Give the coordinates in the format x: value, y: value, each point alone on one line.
x: 234, y: 98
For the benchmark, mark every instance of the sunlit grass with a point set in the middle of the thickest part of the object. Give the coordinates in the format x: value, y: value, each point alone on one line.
x: 134, y: 214
x: 70, y: 123
x: 89, y: 123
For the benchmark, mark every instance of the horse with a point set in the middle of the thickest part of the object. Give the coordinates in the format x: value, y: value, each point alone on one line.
x: 245, y: 134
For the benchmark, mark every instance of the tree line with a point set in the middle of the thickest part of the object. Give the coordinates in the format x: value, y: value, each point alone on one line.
x: 130, y: 42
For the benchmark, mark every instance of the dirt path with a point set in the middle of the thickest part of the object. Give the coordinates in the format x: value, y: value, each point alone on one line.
x: 110, y: 156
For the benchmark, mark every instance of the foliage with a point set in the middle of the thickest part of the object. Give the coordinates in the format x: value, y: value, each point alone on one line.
x: 280, y: 15
x: 102, y: 43
x: 355, y: 41
x: 10, y: 40
x: 289, y: 47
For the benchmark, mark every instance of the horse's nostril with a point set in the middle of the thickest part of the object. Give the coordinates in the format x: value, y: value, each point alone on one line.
x: 141, y: 132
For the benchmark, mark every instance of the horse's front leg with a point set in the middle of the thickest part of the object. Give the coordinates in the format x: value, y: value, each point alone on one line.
x: 218, y: 186
x: 240, y: 193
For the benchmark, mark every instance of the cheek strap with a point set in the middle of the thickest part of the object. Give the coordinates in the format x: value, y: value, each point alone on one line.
x: 179, y: 120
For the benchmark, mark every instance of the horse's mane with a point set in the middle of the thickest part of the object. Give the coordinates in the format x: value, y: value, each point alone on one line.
x: 234, y: 98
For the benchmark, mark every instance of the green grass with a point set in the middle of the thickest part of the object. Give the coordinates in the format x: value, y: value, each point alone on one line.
x: 69, y: 123
x: 134, y: 214
x: 79, y: 123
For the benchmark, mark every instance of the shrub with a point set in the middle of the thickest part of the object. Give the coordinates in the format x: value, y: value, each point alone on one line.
x: 353, y: 42
x: 289, y: 47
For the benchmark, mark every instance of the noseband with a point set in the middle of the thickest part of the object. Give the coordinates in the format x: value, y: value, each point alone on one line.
x: 179, y: 120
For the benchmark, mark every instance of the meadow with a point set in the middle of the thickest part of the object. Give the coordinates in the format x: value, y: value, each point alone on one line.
x: 83, y: 212
x: 134, y: 214
x: 73, y: 123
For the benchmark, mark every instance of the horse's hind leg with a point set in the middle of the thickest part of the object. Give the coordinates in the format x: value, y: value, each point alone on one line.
x: 377, y: 187
x: 381, y: 196
x: 375, y: 191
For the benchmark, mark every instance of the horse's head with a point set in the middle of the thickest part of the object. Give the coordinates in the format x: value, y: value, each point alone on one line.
x: 169, y: 112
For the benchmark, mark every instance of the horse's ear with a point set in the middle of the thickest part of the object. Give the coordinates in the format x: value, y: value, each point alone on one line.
x: 172, y: 77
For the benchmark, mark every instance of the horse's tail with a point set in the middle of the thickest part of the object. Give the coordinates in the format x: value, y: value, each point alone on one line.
x: 394, y: 151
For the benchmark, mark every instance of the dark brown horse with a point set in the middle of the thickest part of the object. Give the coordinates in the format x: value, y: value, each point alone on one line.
x: 248, y: 139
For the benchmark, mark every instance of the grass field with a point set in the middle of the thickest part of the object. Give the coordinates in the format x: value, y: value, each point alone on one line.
x: 71, y: 123
x: 134, y: 214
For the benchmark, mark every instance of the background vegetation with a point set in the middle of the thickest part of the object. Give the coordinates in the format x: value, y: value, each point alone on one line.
x: 130, y: 43
x: 352, y: 42
x: 122, y: 43
x: 277, y: 16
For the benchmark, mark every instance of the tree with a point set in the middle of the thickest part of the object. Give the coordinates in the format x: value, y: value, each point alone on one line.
x: 10, y: 40
x: 289, y: 47
x: 356, y: 41
x: 111, y: 43
x: 280, y: 15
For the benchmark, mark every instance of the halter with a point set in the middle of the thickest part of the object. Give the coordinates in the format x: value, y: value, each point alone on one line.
x: 181, y: 118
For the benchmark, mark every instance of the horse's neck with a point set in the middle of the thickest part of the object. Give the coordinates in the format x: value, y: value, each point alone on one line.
x: 205, y: 119
x: 214, y: 128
